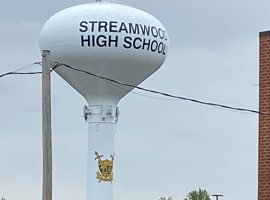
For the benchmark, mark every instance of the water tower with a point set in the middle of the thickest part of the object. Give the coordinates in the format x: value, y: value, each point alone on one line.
x: 114, y: 41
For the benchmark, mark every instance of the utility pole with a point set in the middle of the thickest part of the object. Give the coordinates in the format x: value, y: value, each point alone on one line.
x: 217, y: 196
x: 46, y: 126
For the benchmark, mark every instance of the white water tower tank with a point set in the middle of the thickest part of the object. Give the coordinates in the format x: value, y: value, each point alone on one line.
x: 114, y: 41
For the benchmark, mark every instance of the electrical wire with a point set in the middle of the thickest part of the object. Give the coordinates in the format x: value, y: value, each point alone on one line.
x: 139, y: 94
x: 24, y: 68
x: 162, y: 93
x: 118, y: 84
x: 17, y: 71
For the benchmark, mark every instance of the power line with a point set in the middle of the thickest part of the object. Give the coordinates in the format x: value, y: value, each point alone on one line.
x: 139, y: 94
x: 24, y: 68
x: 117, y: 83
x: 17, y: 71
x: 163, y: 93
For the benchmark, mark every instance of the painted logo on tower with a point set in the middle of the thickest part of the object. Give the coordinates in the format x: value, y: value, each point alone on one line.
x: 105, y: 167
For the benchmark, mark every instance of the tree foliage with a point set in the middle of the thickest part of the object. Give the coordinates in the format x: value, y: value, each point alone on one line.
x: 198, y: 195
x: 163, y: 198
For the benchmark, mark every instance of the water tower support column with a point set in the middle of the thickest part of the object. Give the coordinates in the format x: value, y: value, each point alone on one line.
x: 102, y: 121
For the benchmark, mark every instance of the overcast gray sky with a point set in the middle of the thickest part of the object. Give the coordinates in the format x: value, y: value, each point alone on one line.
x: 163, y: 147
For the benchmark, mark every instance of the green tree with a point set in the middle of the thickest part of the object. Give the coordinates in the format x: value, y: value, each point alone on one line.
x: 198, y: 195
x: 163, y: 198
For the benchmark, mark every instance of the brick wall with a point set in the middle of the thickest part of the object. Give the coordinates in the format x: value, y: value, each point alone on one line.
x: 264, y: 120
